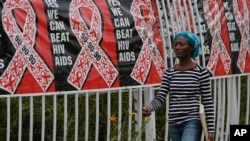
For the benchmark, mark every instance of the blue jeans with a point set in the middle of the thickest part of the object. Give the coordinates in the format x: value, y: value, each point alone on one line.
x: 186, y: 131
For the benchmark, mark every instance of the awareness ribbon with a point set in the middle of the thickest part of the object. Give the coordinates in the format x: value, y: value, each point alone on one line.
x: 25, y: 55
x: 218, y: 47
x: 243, y: 23
x: 149, y: 52
x: 91, y: 52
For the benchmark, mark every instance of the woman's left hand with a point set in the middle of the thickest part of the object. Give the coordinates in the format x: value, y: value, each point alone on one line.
x: 210, y: 136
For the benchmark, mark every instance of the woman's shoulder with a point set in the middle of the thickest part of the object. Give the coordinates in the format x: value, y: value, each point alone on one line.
x: 170, y: 69
x: 202, y: 69
x: 199, y: 67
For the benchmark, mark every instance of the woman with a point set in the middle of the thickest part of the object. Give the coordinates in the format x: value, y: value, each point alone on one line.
x: 186, y: 82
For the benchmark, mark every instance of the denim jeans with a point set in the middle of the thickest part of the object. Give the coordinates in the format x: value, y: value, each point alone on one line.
x: 186, y: 131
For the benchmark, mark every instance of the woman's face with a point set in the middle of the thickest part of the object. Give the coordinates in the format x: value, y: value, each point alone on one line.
x: 182, y: 49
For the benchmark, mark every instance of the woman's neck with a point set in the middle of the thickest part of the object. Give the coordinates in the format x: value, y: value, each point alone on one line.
x: 185, y: 64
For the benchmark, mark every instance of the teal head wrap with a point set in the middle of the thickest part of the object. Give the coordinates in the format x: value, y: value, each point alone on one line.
x: 192, y: 40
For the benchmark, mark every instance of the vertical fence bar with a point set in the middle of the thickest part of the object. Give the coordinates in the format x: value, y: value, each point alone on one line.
x: 8, y: 120
x: 119, y: 114
x: 76, y: 116
x: 239, y: 97
x: 150, y: 127
x: 86, y: 116
x: 65, y: 115
x: 31, y: 117
x: 248, y: 99
x: 109, y: 111
x: 229, y: 106
x: 130, y: 99
x: 215, y: 97
x: 20, y: 115
x: 223, y: 107
x: 235, y: 101
x: 54, y: 116
x: 43, y: 118
x: 97, y: 116
x: 136, y: 104
x: 166, y: 115
x: 218, y: 115
x: 139, y: 115
x: 146, y: 100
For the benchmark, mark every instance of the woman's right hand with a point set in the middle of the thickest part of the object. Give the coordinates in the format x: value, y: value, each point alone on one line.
x: 146, y: 111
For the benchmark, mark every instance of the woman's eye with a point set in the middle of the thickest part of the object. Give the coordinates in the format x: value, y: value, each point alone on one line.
x: 179, y: 44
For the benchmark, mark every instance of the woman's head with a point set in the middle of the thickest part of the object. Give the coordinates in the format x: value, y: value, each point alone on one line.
x: 186, y: 43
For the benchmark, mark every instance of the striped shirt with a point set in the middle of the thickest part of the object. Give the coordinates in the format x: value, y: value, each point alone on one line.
x: 185, y: 89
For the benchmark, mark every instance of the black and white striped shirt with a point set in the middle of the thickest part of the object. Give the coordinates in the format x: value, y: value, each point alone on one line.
x: 185, y: 89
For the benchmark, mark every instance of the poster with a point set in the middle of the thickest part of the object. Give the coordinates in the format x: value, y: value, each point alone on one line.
x: 223, y: 30
x: 226, y: 25
x: 59, y: 45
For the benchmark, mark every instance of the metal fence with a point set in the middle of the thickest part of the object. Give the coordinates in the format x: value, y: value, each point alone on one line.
x: 87, y: 115
x: 115, y: 114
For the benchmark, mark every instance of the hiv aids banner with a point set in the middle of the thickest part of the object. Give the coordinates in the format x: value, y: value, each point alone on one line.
x: 226, y: 33
x: 67, y: 45
x: 223, y: 28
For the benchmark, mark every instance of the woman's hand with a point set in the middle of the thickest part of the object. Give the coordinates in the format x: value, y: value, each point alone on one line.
x: 146, y: 111
x: 210, y: 136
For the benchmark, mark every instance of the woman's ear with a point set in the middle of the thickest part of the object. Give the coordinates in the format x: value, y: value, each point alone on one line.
x: 191, y: 49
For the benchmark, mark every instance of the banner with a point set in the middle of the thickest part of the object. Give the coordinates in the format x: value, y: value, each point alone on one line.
x: 223, y: 28
x: 68, y: 45
x: 53, y: 46
x: 227, y: 23
x: 226, y: 32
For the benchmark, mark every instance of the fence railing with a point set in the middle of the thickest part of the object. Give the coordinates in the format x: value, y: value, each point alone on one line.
x: 112, y: 114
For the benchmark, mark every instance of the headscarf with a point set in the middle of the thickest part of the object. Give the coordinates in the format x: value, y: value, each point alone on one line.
x: 192, y: 39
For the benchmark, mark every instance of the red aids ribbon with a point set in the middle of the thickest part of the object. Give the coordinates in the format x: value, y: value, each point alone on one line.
x: 91, y: 52
x: 149, y: 52
x: 23, y: 41
x: 242, y: 19
x: 218, y: 48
